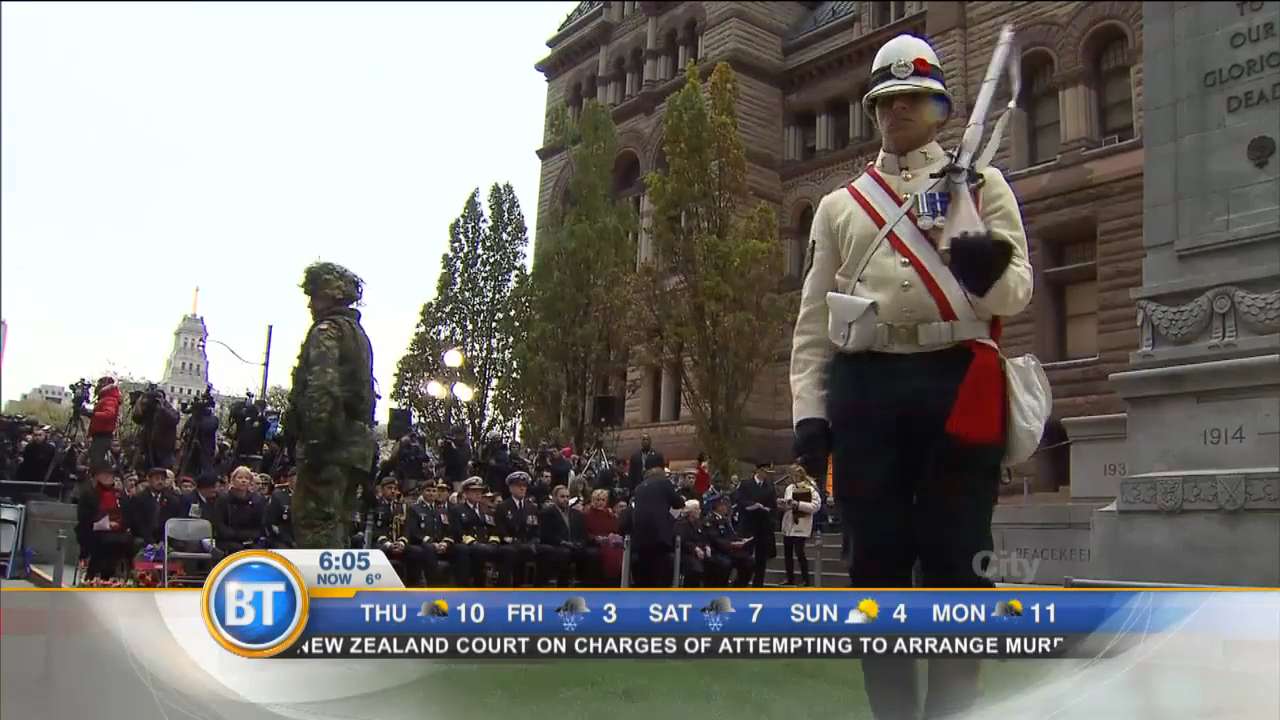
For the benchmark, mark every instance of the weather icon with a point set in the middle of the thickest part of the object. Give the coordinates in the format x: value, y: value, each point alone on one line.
x: 435, y: 609
x: 866, y: 611
x: 716, y: 612
x: 571, y: 612
x: 1008, y: 608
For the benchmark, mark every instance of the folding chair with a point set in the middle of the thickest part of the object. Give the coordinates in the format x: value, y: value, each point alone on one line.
x: 12, y: 518
x: 186, y: 530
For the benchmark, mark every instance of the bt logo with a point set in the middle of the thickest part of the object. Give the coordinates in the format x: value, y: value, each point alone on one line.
x: 255, y: 603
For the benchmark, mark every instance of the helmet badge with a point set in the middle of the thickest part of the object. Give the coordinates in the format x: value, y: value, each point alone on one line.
x: 901, y: 68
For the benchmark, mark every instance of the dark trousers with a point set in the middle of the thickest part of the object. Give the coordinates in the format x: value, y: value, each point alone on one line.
x: 794, y: 546
x: 908, y: 491
x: 411, y: 564
x: 479, y: 557
x: 515, y: 561
x: 653, y: 567
x: 577, y: 562
x: 459, y: 559
x: 741, y: 561
x: 711, y: 572
x: 762, y: 549
x: 109, y: 550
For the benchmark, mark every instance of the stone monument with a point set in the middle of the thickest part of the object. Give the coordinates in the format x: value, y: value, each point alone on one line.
x: 1197, y: 497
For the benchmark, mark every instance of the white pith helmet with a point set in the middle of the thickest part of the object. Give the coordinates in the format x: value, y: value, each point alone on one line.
x: 904, y: 64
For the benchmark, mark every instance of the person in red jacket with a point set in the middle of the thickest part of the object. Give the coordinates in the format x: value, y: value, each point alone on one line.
x: 701, y: 478
x: 102, y: 425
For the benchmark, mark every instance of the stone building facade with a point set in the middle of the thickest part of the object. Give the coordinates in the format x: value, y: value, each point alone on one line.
x: 1074, y: 158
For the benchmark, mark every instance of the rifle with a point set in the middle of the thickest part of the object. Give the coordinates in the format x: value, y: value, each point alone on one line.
x: 964, y: 170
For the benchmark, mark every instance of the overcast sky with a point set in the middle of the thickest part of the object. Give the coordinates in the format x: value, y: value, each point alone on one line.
x: 149, y: 148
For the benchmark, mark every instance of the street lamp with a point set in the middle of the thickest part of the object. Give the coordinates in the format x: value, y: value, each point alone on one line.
x: 451, y: 387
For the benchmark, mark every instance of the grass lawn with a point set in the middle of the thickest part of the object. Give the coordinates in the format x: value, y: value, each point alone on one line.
x: 650, y: 690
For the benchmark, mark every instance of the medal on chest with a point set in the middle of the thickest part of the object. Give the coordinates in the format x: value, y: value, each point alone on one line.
x: 931, y: 209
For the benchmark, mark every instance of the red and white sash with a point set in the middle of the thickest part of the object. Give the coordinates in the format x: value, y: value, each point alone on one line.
x: 879, y: 201
x: 977, y: 415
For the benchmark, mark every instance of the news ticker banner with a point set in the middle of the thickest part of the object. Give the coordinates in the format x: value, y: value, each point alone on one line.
x: 351, y: 604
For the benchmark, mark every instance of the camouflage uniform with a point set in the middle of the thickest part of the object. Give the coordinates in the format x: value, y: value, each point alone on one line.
x: 331, y: 411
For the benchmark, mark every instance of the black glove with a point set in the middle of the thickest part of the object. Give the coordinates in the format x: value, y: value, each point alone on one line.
x: 813, y: 445
x: 978, y: 260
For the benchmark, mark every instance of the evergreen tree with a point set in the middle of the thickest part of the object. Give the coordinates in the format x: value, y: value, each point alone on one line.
x: 473, y: 311
x: 711, y: 295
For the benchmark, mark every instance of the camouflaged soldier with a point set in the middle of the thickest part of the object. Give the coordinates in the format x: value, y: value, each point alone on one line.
x: 331, y: 409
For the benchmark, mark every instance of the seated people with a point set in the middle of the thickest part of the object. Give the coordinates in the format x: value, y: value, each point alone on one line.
x: 428, y: 530
x: 564, y: 530
x: 237, y: 515
x: 696, y: 559
x: 603, y: 533
x: 471, y: 530
x: 730, y: 550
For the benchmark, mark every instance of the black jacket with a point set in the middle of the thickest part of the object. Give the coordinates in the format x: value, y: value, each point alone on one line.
x: 468, y: 521
x: 35, y: 461
x: 521, y: 524
x: 555, y: 532
x: 756, y: 523
x: 650, y: 518
x: 238, y: 519
x: 87, y: 514
x: 148, y: 512
x: 455, y: 454
x: 692, y: 536
x: 278, y: 522
x: 641, y: 462
x: 193, y: 505
x: 721, y: 533
x: 560, y: 469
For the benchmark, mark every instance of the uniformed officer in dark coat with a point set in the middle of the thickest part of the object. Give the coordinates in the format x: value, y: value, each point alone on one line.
x: 756, y: 501
x: 471, y: 530
x: 390, y: 532
x: 279, y: 522
x: 725, y: 541
x: 428, y: 530
x: 517, y: 522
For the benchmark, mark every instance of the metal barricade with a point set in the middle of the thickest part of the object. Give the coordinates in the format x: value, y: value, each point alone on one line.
x: 675, y: 575
x: 626, y: 561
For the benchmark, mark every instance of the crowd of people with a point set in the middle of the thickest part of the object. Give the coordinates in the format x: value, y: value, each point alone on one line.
x: 444, y: 515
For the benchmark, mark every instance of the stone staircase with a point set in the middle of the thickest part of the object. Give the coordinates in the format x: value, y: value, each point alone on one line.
x: 829, y: 572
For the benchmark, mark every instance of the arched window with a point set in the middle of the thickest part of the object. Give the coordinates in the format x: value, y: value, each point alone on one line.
x: 692, y: 40
x: 1114, y: 88
x: 627, y: 186
x: 1040, y: 100
x: 799, y: 244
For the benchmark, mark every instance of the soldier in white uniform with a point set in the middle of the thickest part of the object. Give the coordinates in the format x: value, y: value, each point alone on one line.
x: 914, y: 420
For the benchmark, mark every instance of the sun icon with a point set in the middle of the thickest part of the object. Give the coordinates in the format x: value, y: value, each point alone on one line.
x: 1016, y: 606
x: 868, y: 607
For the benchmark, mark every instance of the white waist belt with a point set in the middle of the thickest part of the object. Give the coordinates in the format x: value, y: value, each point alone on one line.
x: 915, y: 337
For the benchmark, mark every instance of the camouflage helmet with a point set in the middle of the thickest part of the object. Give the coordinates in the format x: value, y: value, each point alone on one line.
x: 330, y: 280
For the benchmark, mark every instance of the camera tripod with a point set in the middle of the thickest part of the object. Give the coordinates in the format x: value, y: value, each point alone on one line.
x: 70, y: 433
